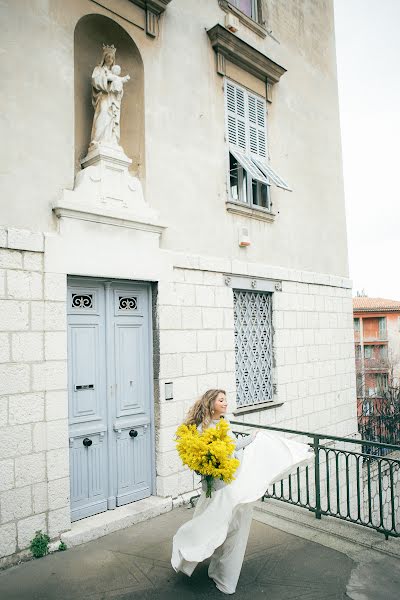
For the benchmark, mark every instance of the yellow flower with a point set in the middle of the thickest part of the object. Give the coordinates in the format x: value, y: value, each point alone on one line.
x: 208, y: 453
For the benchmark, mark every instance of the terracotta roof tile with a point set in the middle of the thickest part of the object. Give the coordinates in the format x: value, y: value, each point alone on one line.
x: 361, y: 303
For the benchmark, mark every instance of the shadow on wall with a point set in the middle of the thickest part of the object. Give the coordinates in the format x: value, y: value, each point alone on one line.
x: 91, y: 32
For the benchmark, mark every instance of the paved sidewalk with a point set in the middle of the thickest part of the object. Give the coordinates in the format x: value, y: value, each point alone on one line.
x: 135, y: 564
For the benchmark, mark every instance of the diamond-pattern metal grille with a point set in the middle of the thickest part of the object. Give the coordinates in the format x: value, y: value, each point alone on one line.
x: 253, y: 346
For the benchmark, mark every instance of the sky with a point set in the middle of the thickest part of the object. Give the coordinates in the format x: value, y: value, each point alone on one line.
x: 368, y: 62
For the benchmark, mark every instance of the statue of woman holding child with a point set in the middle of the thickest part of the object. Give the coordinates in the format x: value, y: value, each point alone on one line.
x: 107, y: 92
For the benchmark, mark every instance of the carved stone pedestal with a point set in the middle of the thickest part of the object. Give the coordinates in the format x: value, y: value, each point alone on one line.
x: 106, y: 192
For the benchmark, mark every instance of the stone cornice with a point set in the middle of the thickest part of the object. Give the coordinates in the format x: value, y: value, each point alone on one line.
x: 228, y: 46
x: 156, y: 6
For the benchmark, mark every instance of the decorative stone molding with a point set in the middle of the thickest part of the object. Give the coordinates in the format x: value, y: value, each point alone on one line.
x: 153, y: 8
x: 244, y: 282
x: 227, y: 46
x: 253, y: 213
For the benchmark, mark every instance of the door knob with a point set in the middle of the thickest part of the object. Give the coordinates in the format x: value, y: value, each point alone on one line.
x: 87, y: 442
x: 133, y: 433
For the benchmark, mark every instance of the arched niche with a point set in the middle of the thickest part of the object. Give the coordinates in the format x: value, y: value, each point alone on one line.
x: 91, y: 32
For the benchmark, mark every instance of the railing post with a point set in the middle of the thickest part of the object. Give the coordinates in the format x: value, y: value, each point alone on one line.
x: 317, y: 479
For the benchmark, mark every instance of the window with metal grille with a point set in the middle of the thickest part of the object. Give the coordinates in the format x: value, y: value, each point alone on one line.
x: 253, y: 347
x: 250, y: 175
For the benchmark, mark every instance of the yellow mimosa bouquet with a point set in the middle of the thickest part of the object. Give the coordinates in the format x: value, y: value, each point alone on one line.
x: 208, y: 453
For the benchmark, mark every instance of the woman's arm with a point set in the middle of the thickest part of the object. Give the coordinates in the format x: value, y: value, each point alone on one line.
x: 244, y: 441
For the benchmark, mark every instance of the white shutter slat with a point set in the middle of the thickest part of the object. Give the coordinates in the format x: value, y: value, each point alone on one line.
x: 272, y: 175
x: 249, y: 166
x: 257, y: 126
x: 236, y: 115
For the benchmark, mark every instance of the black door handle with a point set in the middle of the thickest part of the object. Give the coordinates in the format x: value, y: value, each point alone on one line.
x: 133, y: 433
x: 87, y: 442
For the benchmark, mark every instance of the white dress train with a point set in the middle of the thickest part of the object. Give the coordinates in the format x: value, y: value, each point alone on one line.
x: 220, y: 525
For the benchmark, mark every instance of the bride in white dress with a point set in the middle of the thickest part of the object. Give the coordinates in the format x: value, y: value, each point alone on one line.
x: 221, y: 524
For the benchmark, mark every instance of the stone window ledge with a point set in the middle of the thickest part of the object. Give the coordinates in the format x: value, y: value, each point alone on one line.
x: 248, y: 21
x: 252, y: 212
x: 257, y: 407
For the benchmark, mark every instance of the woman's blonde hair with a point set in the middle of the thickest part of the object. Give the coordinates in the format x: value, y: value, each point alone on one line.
x: 202, y: 410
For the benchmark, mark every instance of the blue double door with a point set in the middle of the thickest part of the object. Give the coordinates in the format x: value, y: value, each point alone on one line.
x: 110, y: 399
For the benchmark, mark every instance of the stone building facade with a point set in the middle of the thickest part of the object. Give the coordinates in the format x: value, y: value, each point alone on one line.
x: 125, y: 295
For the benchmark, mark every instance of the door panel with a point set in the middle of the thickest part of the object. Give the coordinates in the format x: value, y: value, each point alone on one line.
x: 86, y: 391
x: 134, y: 457
x: 130, y: 374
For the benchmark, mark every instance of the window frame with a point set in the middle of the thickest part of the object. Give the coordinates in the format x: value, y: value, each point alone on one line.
x: 254, y: 9
x: 245, y: 195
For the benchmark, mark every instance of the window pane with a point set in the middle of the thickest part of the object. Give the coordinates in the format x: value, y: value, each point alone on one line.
x: 233, y: 177
x: 357, y: 324
x: 260, y: 194
x: 246, y: 7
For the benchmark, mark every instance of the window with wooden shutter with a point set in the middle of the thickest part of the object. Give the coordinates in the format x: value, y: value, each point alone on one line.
x: 246, y: 132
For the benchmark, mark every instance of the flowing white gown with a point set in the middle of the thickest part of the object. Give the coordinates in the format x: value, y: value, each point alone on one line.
x: 220, y: 525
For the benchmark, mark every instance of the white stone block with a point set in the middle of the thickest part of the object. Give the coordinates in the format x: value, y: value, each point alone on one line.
x: 23, y: 239
x: 24, y: 285
x: 177, y: 341
x: 29, y: 469
x: 170, y: 366
x: 26, y: 408
x: 59, y: 521
x: 206, y: 341
x: 229, y: 361
x: 33, y: 261
x: 213, y: 318
x: 227, y: 382
x: 39, y: 437
x: 194, y: 276
x: 170, y: 317
x: 3, y: 411
x: 58, y: 493
x: 8, y: 539
x: 27, y: 529
x: 15, y: 441
x: 56, y: 404
x: 215, y: 362
x: 10, y: 259
x: 4, y: 347
x: 39, y: 495
x: 206, y: 382
x: 14, y: 316
x: 6, y: 474
x: 57, y: 434
x: 228, y: 319
x: 57, y: 463
x: 37, y: 316
x: 205, y: 296
x: 290, y: 320
x: 224, y: 297
x: 15, y: 504
x: 3, y: 237
x: 168, y: 463
x: 55, y: 286
x: 55, y: 345
x: 194, y: 363
x: 178, y: 275
x: 211, y: 278
x: 2, y: 284
x: 27, y: 346
x: 185, y: 294
x: 225, y: 340
x: 49, y: 375
x: 170, y: 413
x: 14, y: 378
x: 165, y: 439
x: 55, y: 318
x: 191, y: 317
x: 185, y: 388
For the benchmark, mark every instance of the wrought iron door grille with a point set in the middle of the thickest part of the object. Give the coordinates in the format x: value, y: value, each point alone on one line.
x: 253, y: 346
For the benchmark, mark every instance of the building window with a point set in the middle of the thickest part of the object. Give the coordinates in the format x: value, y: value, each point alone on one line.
x: 381, y: 383
x: 253, y: 347
x: 383, y: 353
x: 367, y: 408
x: 367, y: 351
x: 248, y: 7
x: 357, y: 325
x: 250, y: 176
x: 358, y: 351
x: 382, y: 328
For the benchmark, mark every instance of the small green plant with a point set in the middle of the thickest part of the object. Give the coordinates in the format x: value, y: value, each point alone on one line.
x: 62, y: 546
x: 40, y: 544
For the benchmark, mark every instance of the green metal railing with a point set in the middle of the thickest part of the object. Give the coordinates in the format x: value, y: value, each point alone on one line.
x: 345, y: 483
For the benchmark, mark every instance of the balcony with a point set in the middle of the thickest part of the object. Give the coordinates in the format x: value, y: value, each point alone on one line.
x: 378, y: 336
x: 373, y: 364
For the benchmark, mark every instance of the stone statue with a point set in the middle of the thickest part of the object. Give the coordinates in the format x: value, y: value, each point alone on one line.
x: 107, y: 92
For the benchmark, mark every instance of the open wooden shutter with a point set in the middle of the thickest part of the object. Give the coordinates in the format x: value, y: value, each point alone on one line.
x: 257, y: 126
x: 236, y: 116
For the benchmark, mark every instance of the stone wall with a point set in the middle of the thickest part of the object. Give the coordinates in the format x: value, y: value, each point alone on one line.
x: 313, y: 353
x: 34, y: 483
